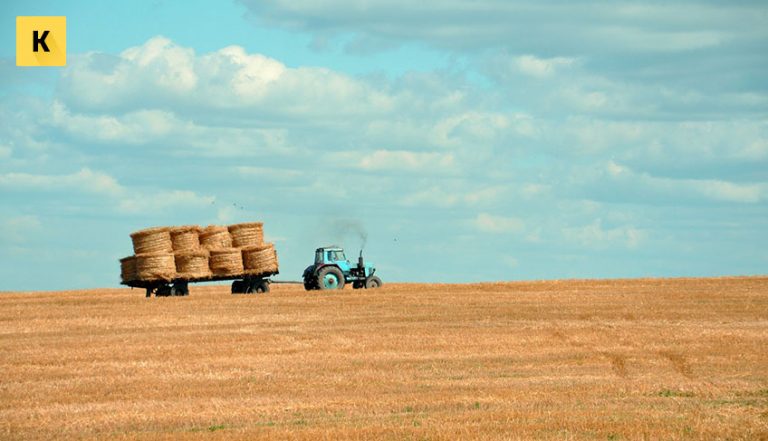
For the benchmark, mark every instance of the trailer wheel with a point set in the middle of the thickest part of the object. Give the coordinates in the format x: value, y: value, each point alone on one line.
x: 258, y: 286
x: 373, y: 282
x: 164, y: 291
x: 262, y: 288
x: 238, y: 287
x: 180, y: 289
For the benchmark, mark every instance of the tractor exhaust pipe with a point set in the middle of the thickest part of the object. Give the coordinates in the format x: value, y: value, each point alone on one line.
x: 360, y: 262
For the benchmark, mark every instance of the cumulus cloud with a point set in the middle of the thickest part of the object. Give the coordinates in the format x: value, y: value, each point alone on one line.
x: 488, y: 223
x: 397, y: 160
x: 16, y: 229
x: 86, y: 181
x: 164, y: 76
x: 614, y: 181
x: 594, y: 235
x: 162, y: 200
x: 541, y: 67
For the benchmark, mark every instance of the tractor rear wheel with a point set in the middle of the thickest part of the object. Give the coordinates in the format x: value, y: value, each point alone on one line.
x: 330, y: 277
x: 372, y: 282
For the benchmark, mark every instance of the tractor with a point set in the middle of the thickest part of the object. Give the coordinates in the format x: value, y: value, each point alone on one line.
x: 332, y: 270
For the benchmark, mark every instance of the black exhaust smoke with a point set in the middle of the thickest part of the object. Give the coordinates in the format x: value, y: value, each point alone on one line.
x: 343, y: 228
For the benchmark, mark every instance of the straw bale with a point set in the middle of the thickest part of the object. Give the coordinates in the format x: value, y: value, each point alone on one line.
x: 215, y: 237
x: 152, y: 240
x: 226, y: 262
x: 247, y: 234
x: 128, y: 268
x: 260, y: 259
x: 155, y: 266
x: 185, y: 238
x: 192, y: 264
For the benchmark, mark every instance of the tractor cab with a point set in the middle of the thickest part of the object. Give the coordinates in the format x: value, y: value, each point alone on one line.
x: 330, y: 255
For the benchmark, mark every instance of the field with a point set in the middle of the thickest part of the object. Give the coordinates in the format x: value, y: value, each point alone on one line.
x: 614, y: 359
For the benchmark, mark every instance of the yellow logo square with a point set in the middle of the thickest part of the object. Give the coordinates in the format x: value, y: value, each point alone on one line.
x: 41, y: 41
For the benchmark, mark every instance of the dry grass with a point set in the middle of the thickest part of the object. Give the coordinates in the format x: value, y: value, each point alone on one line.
x: 622, y: 359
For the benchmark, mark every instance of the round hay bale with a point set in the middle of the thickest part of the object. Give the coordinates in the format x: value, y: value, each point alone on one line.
x: 185, y: 238
x: 260, y: 259
x: 128, y: 268
x: 152, y: 240
x: 247, y: 234
x: 226, y: 262
x: 192, y: 264
x: 155, y: 266
x: 214, y: 237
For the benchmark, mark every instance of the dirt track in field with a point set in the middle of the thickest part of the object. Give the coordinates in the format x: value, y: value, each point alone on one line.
x: 617, y: 359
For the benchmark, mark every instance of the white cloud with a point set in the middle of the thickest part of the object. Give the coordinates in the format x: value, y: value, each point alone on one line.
x: 623, y: 182
x: 541, y: 67
x: 435, y: 196
x: 470, y: 128
x: 148, y: 201
x: 166, y: 76
x: 398, y: 160
x: 171, y: 133
x: 510, y: 261
x: 594, y: 235
x: 121, y: 198
x: 269, y: 174
x: 17, y: 229
x: 85, y: 181
x: 450, y: 195
x: 132, y: 128
x: 488, y: 223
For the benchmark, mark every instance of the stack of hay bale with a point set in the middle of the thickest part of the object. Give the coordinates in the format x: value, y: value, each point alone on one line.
x: 194, y: 253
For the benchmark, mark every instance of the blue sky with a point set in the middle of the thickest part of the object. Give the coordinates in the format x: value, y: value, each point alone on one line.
x: 469, y: 140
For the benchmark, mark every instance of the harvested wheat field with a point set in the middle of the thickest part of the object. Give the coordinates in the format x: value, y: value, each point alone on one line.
x: 617, y: 359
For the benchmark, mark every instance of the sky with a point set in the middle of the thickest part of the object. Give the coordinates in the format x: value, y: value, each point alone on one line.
x: 458, y: 141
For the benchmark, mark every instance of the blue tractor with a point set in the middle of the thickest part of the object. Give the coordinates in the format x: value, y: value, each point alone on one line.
x: 332, y: 270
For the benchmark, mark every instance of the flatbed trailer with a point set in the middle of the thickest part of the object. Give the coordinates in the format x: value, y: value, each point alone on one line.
x: 241, y: 284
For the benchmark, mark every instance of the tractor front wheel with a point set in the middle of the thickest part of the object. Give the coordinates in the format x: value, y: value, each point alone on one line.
x: 372, y: 282
x: 330, y: 277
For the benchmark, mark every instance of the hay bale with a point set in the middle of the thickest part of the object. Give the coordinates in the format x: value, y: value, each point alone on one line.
x: 260, y: 259
x: 152, y: 240
x: 192, y: 264
x: 247, y: 234
x: 214, y: 237
x: 128, y: 269
x: 185, y: 238
x: 226, y: 262
x: 155, y: 266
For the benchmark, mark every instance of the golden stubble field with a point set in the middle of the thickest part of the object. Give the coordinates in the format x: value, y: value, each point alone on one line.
x: 615, y: 359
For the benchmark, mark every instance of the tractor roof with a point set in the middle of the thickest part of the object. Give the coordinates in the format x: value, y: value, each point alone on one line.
x: 330, y: 248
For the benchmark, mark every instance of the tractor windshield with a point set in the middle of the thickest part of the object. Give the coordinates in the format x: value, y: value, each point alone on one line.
x: 336, y: 256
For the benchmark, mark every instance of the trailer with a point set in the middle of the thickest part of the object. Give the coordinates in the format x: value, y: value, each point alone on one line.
x: 241, y: 284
